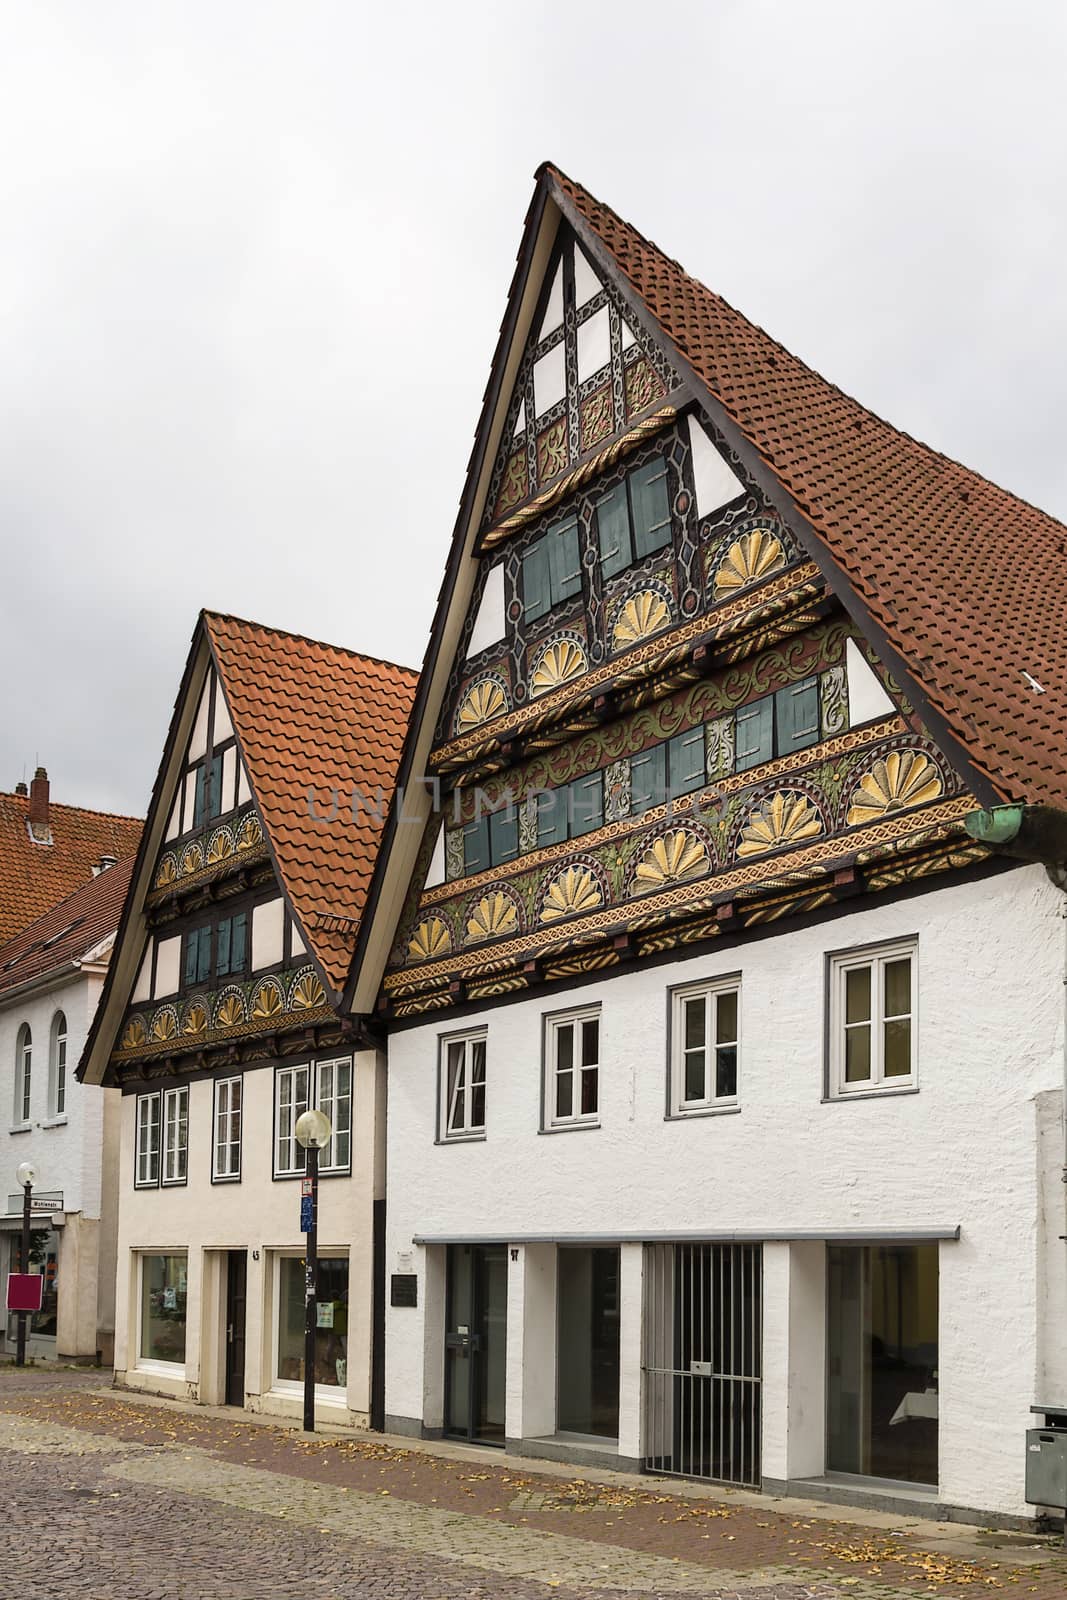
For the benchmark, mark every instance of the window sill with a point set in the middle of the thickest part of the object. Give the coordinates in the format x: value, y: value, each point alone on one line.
x: 161, y: 1369
x: 868, y: 1094
x: 229, y: 1177
x: 570, y: 1127
x: 55, y: 1122
x: 325, y: 1394
x: 689, y: 1114
x: 21, y: 1127
x: 462, y: 1138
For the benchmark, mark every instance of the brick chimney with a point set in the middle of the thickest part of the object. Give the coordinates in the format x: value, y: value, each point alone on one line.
x: 38, y: 812
x: 20, y: 788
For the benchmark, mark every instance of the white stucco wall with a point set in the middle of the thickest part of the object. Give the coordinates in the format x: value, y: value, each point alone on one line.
x: 962, y: 1150
x: 261, y: 1215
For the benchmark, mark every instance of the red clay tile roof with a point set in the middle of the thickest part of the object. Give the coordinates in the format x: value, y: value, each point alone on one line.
x: 311, y: 716
x: 966, y: 580
x: 33, y: 877
x: 68, y: 931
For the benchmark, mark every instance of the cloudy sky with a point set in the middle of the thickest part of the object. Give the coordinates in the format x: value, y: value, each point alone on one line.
x: 254, y: 259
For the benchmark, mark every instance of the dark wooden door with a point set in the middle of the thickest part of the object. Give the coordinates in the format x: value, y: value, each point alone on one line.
x: 236, y: 1279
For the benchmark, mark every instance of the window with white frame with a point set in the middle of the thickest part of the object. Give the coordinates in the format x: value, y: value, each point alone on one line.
x: 226, y: 1150
x: 23, y: 1074
x: 175, y: 1135
x: 463, y: 1086
x: 705, y: 1046
x: 146, y: 1161
x: 872, y: 1019
x: 572, y: 1069
x: 57, y: 1067
x: 326, y: 1085
x: 334, y: 1098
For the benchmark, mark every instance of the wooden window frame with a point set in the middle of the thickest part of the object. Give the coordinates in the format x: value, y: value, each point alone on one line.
x: 447, y: 1093
x: 139, y: 1148
x: 233, y: 1175
x: 710, y: 990
x: 174, y: 1097
x: 876, y: 958
x: 23, y: 1097
x: 555, y: 1025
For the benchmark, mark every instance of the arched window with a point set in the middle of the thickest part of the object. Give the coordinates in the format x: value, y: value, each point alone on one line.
x: 23, y: 1056
x: 57, y: 1067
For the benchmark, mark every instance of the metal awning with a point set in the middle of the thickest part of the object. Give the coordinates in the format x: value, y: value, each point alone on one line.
x: 38, y: 1221
x: 928, y: 1235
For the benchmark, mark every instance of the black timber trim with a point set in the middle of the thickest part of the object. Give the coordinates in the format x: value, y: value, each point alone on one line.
x: 807, y: 535
x: 465, y: 522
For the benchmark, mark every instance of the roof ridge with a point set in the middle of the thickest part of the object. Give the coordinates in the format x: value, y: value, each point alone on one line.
x: 735, y: 311
x: 303, y: 638
x: 83, y: 811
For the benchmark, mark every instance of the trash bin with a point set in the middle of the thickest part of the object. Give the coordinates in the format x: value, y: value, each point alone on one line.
x: 1046, y: 1459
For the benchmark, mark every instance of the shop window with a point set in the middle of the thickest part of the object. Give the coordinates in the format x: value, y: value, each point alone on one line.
x: 331, y: 1331
x: 164, y: 1285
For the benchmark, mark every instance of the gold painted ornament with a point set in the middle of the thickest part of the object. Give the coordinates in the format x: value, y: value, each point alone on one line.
x: 671, y: 858
x: 902, y: 779
x: 642, y: 615
x: 268, y: 1001
x: 493, y: 916
x: 558, y: 663
x: 753, y: 556
x: 307, y: 993
x: 787, y: 818
x: 482, y: 702
x: 431, y: 938
x: 574, y: 891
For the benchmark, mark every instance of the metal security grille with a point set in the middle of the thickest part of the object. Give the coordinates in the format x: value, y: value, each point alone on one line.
x: 702, y: 1344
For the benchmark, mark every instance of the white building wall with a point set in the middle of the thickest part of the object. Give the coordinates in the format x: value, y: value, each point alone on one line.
x: 961, y: 1150
x: 259, y: 1215
x: 68, y: 1154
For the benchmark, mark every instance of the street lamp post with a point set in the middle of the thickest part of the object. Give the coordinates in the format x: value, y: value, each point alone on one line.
x: 26, y: 1175
x: 313, y: 1132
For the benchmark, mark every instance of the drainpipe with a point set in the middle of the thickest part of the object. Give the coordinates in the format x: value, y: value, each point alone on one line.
x: 1038, y: 834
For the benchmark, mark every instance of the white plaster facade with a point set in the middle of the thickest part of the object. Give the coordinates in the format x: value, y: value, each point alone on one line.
x: 258, y: 1216
x: 76, y: 1156
x: 978, y: 1145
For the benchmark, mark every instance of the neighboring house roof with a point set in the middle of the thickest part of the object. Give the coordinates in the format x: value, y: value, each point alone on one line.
x: 310, y: 717
x: 68, y: 932
x: 964, y: 579
x: 34, y: 876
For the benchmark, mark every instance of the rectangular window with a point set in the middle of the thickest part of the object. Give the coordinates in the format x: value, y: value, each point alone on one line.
x: 754, y: 734
x: 551, y: 570
x: 462, y: 1075
x: 146, y: 1160
x: 334, y: 1099
x: 705, y: 1046
x: 200, y: 796
x: 226, y: 1158
x: 685, y: 761
x: 572, y: 1069
x: 476, y: 845
x: 331, y: 1323
x: 553, y: 817
x: 164, y: 1284
x: 491, y: 839
x: 586, y: 803
x: 648, y: 779
x: 796, y: 711
x: 290, y: 1102
x: 175, y: 1135
x: 634, y: 518
x: 231, y: 945
x: 872, y: 1019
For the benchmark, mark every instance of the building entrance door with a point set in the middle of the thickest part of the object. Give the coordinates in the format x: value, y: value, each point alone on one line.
x: 236, y: 1294
x: 476, y: 1341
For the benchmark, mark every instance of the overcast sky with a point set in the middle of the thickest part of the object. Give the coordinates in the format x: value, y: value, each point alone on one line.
x: 254, y: 259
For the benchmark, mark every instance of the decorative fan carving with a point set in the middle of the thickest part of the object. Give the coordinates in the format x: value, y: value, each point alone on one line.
x: 230, y: 1010
x: 134, y: 1035
x: 307, y: 993
x: 431, y: 938
x: 251, y: 833
x: 195, y: 1018
x: 166, y: 871
x: 483, y: 701
x: 571, y: 892
x: 268, y: 1000
x: 753, y: 556
x: 220, y: 846
x: 558, y: 663
x: 671, y: 858
x: 164, y: 1024
x: 493, y: 916
x: 788, y: 817
x: 903, y: 779
x: 192, y: 859
x: 642, y: 614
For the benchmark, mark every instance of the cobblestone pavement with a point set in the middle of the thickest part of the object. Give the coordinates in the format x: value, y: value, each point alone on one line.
x: 119, y: 1499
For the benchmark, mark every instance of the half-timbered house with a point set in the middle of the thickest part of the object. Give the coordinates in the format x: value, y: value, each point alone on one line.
x: 726, y: 1045
x: 221, y: 1022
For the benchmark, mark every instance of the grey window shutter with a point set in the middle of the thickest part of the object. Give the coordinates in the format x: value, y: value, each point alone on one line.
x: 686, y: 754
x: 651, y: 508
x: 203, y: 959
x: 564, y: 566
x: 552, y: 816
x: 536, y: 595
x: 200, y: 795
x: 587, y: 803
x: 648, y: 779
x: 476, y: 845
x: 503, y: 835
x: 798, y: 715
x: 613, y: 531
x: 191, y: 946
x: 222, y: 948
x: 754, y: 733
x: 238, y: 942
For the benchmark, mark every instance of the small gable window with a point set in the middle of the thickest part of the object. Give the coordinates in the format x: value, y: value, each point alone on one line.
x: 634, y: 518
x: 219, y: 950
x: 551, y: 570
x: 207, y: 799
x: 57, y: 1067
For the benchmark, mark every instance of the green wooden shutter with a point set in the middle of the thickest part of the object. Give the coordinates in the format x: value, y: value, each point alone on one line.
x: 203, y: 955
x: 214, y: 799
x: 503, y: 835
x: 797, y: 709
x: 552, y: 816
x: 613, y: 531
x: 239, y: 942
x: 536, y: 592
x: 564, y: 567
x: 200, y: 795
x: 651, y: 508
x: 222, y: 948
x: 191, y: 946
x: 648, y: 782
x: 754, y: 734
x: 686, y: 761
x: 476, y: 845
x: 587, y: 803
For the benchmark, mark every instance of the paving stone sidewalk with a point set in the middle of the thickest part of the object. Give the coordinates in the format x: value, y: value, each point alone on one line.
x: 106, y: 1495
